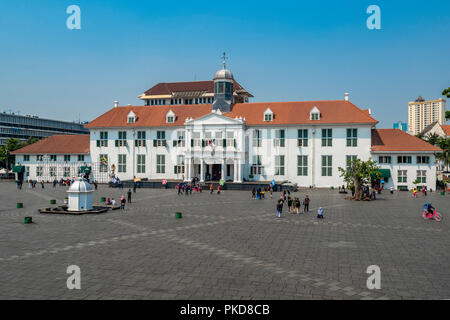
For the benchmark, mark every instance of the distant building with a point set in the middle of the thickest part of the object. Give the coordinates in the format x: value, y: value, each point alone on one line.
x: 24, y: 127
x: 422, y: 113
x: 400, y: 125
x: 436, y: 128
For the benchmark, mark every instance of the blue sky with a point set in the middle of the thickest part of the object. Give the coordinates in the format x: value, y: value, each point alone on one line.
x: 278, y: 50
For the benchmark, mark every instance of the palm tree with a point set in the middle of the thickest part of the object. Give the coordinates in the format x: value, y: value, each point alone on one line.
x: 432, y: 138
x: 444, y: 156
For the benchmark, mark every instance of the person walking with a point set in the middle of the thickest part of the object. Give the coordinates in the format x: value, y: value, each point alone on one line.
x: 290, y: 205
x: 415, y: 192
x: 297, y: 205
x: 391, y: 189
x: 306, y: 204
x: 129, y: 195
x: 218, y: 189
x: 211, y: 188
x: 279, y: 208
x: 254, y: 193
x: 122, y: 203
x: 271, y: 192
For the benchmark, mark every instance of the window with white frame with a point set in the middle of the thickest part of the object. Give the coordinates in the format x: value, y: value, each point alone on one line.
x: 349, y: 161
x: 81, y: 158
x: 231, y: 142
x: 218, y: 138
x: 140, y: 139
x: 66, y: 172
x: 279, y: 165
x: 422, y: 176
x: 140, y: 163
x: 402, y: 176
x: 302, y: 166
x: 122, y: 139
x: 314, y: 114
x: 404, y: 159
x: 170, y: 117
x: 423, y: 159
x: 160, y: 163
x: 122, y: 163
x: 327, y: 166
x: 279, y: 138
x: 327, y: 137
x: 52, y: 171
x: 257, y: 167
x: 131, y: 117
x: 27, y: 171
x: 67, y: 157
x: 179, y: 168
x: 352, y: 137
x: 160, y: 139
x: 53, y: 157
x: 179, y: 142
x: 40, y: 157
x: 26, y: 157
x: 268, y: 115
x: 302, y: 138
x: 39, y: 171
x: 257, y: 138
x: 384, y: 159
x: 103, y: 141
x: 196, y: 141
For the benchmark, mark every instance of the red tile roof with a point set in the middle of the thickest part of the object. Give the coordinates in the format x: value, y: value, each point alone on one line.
x: 446, y: 129
x: 398, y: 140
x: 58, y: 144
x: 163, y: 88
x: 285, y: 113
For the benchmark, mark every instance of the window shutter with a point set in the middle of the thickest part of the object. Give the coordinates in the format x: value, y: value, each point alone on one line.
x: 192, y: 143
x: 98, y: 143
x: 235, y: 144
x: 175, y: 169
x: 224, y: 143
x: 116, y: 143
x: 154, y: 142
x: 174, y: 143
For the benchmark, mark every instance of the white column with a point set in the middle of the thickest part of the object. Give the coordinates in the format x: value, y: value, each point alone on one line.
x: 202, y: 171
x: 223, y: 170
x: 235, y: 176
x: 238, y: 171
x: 187, y: 171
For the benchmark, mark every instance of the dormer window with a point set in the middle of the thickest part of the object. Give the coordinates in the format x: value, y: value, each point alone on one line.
x: 131, y: 117
x: 170, y: 117
x: 314, y: 114
x: 268, y: 115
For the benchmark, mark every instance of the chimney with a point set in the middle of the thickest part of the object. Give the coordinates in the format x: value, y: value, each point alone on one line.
x: 370, y: 111
x: 346, y: 96
x: 116, y: 104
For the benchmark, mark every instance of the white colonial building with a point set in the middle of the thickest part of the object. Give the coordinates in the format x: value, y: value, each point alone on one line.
x: 180, y: 134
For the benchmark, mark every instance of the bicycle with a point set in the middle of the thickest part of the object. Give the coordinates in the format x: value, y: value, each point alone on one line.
x: 436, y: 216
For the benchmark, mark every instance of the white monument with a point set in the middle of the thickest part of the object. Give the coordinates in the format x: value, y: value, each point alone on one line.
x: 80, y: 196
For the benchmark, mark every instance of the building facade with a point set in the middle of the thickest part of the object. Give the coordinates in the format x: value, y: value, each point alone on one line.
x: 24, y: 127
x: 57, y: 157
x: 303, y: 142
x: 422, y: 113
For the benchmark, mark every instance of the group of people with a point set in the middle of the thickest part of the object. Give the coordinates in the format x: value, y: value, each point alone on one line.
x: 122, y: 201
x: 187, y: 188
x: 294, y: 205
x: 424, y: 191
x: 260, y: 193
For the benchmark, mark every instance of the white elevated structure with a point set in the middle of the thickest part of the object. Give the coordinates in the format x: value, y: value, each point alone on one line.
x: 80, y: 196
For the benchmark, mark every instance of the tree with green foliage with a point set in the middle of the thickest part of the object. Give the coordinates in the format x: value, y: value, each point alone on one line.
x: 444, y: 156
x: 360, y: 174
x: 432, y: 138
x: 12, y: 144
x: 446, y: 92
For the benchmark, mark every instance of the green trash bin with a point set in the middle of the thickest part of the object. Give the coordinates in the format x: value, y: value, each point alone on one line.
x: 178, y: 215
x: 103, y: 199
x: 53, y: 201
x: 19, y: 205
x: 442, y: 193
x: 28, y: 220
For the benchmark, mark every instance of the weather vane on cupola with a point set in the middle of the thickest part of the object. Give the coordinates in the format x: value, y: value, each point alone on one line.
x: 224, y: 58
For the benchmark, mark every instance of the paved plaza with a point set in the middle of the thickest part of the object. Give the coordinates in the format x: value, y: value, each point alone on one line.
x: 226, y: 246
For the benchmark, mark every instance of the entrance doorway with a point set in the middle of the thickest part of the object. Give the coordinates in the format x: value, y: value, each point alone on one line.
x: 213, y: 172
